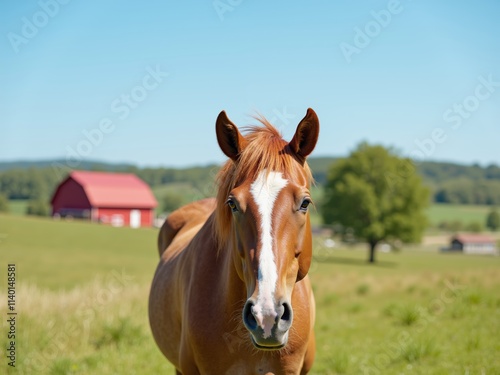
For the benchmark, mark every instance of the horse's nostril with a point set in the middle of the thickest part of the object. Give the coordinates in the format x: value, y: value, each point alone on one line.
x: 286, y: 312
x: 248, y: 317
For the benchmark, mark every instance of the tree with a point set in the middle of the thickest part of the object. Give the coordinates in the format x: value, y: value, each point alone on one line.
x: 377, y: 194
x: 493, y: 220
x: 38, y: 207
x: 171, y: 201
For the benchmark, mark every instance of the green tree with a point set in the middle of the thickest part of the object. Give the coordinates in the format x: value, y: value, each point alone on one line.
x: 493, y: 220
x: 171, y: 201
x: 377, y: 194
x: 4, y: 203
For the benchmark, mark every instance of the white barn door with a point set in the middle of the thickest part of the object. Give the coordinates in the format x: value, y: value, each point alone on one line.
x: 135, y: 218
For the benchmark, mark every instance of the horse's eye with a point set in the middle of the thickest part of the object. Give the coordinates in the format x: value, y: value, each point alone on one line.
x: 232, y: 205
x: 305, y: 203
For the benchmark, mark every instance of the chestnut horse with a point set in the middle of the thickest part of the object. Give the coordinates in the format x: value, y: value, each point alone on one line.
x: 239, y: 263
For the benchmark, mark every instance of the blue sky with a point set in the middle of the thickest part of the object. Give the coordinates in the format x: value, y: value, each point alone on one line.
x: 143, y: 82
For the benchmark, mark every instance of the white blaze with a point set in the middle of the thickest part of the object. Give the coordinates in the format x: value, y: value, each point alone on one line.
x: 265, y: 190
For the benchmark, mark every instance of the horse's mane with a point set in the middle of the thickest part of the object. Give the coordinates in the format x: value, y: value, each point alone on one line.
x: 265, y: 150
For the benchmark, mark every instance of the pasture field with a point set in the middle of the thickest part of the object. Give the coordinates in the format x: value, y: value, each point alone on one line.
x: 467, y: 213
x: 82, y: 294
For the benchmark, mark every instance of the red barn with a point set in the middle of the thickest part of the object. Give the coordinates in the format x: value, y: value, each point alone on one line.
x: 112, y: 198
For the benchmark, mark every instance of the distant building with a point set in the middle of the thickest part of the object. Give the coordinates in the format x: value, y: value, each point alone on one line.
x: 118, y: 199
x: 473, y: 244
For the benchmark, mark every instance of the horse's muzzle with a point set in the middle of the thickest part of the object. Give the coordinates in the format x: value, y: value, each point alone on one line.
x: 269, y: 329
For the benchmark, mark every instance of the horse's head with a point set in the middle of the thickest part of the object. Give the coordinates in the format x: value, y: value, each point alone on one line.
x: 262, y: 215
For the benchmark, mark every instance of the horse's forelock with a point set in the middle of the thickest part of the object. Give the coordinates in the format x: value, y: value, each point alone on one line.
x: 265, y: 150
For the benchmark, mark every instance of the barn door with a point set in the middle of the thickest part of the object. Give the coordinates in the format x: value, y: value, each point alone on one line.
x: 135, y: 218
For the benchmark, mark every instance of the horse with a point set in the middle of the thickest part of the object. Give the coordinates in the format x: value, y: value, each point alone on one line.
x: 231, y: 293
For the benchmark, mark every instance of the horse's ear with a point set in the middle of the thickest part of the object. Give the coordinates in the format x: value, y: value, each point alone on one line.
x: 306, y: 135
x: 230, y: 139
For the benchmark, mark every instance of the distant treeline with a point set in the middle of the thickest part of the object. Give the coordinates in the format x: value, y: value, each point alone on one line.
x: 454, y: 183
x: 468, y: 191
x: 40, y: 183
x: 450, y: 183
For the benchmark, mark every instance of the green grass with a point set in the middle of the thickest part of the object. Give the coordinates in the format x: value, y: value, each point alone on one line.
x: 408, y: 320
x: 63, y: 254
x: 83, y: 288
x: 408, y: 315
x: 438, y: 213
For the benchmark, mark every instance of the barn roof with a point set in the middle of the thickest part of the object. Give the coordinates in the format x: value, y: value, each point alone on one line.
x: 474, y: 238
x: 104, y: 189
